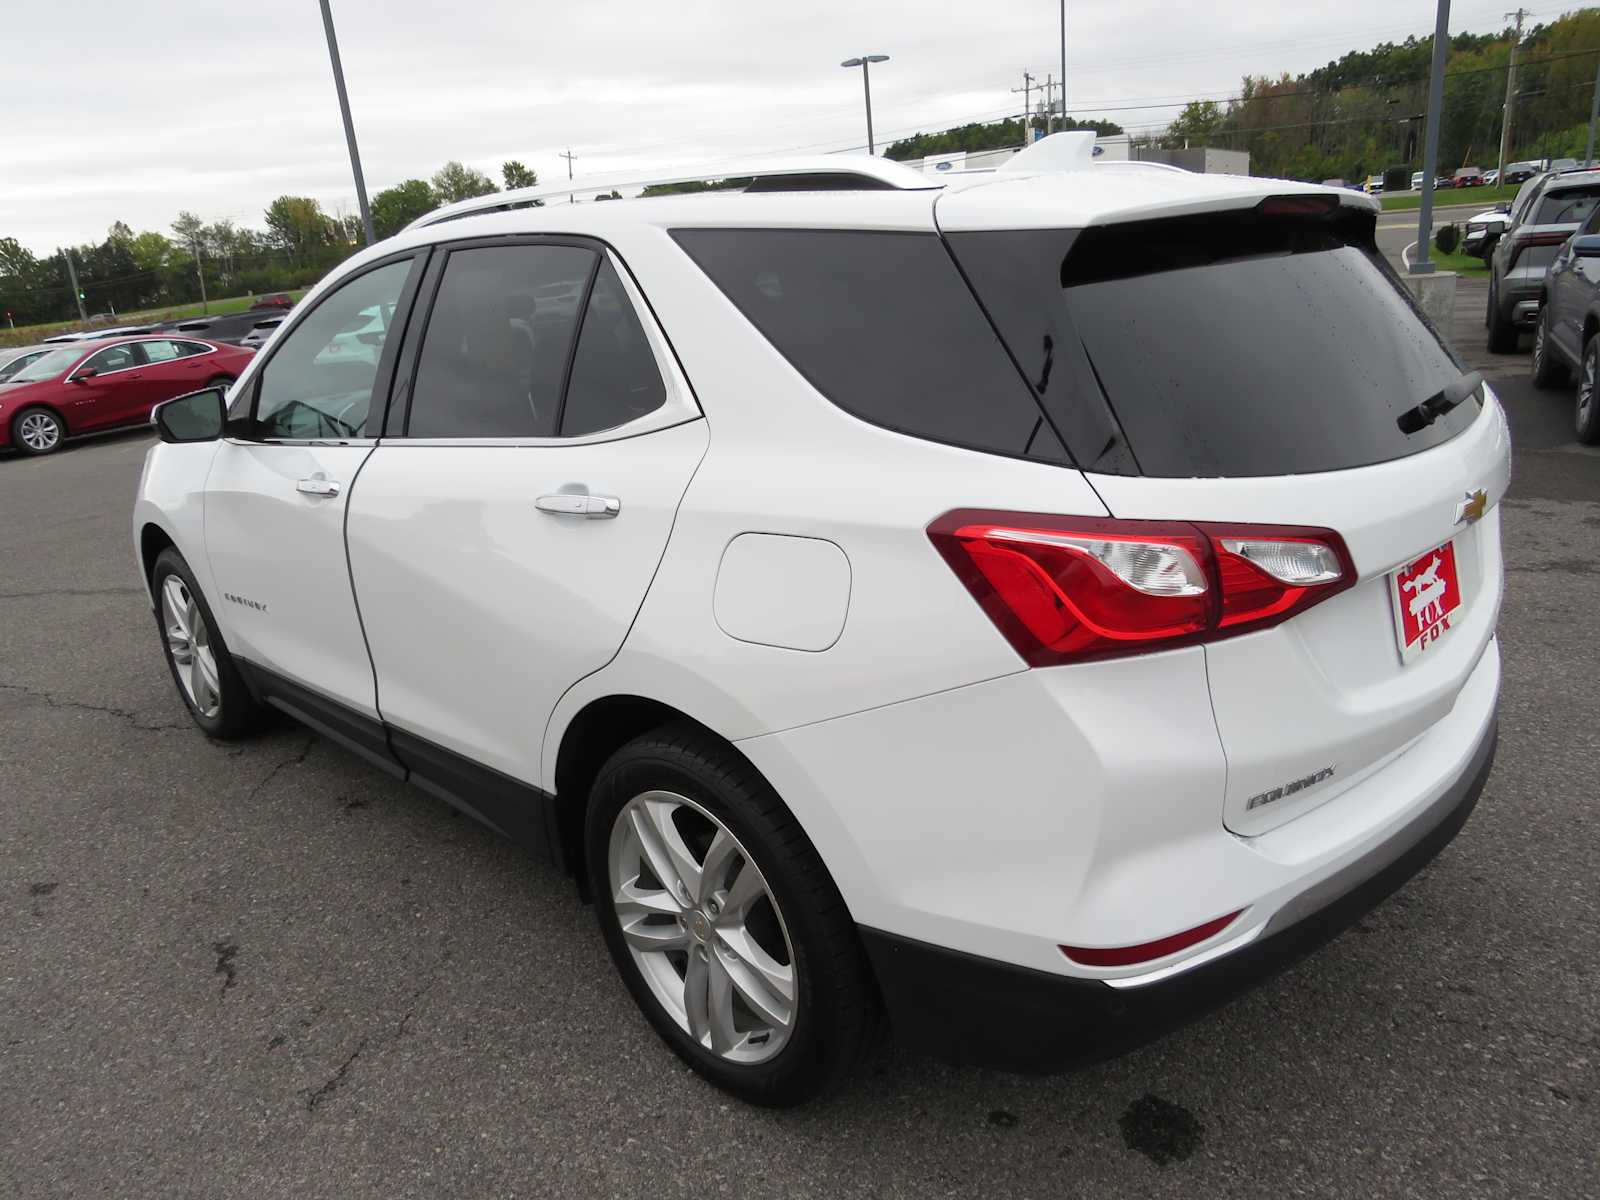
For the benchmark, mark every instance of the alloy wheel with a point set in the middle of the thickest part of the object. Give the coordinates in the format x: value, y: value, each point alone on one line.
x: 1586, y: 383
x: 189, y: 643
x: 1538, y: 345
x: 703, y: 927
x: 39, y: 431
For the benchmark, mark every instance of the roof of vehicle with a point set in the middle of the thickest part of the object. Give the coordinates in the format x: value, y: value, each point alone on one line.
x: 12, y: 353
x: 1572, y: 177
x: 1054, y: 183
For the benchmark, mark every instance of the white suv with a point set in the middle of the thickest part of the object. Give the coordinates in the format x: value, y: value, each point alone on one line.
x: 1018, y: 609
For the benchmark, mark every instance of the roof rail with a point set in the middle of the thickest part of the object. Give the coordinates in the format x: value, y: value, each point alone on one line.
x: 835, y: 170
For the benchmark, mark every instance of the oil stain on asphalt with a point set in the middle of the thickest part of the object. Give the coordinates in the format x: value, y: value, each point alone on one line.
x: 1161, y: 1131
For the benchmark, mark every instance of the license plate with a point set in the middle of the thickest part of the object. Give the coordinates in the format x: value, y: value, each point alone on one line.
x: 1427, y: 597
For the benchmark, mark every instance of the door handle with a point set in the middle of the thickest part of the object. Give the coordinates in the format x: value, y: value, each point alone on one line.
x: 579, y: 504
x: 318, y: 487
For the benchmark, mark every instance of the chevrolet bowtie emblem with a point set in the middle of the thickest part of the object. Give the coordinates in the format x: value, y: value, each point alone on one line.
x: 1471, y: 507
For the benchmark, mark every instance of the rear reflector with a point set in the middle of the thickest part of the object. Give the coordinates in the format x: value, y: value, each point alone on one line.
x: 1071, y: 589
x: 1127, y: 956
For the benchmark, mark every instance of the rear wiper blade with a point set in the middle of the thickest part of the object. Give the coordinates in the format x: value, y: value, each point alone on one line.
x: 1413, y: 420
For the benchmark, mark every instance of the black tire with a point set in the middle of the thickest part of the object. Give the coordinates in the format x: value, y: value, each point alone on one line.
x: 836, y: 1015
x: 1586, y: 405
x: 1489, y: 307
x: 238, y: 713
x: 1546, y: 367
x: 1502, y: 333
x: 36, y: 414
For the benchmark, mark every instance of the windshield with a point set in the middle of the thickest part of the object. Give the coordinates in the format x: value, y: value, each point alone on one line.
x: 48, y: 367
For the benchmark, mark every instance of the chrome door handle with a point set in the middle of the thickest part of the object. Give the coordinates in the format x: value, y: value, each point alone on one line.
x: 579, y: 504
x: 318, y: 487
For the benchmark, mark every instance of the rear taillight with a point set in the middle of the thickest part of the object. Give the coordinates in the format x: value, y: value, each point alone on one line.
x: 1069, y: 589
x: 1521, y: 241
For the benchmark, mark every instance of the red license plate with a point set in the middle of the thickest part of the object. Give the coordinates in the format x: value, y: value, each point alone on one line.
x: 1427, y: 597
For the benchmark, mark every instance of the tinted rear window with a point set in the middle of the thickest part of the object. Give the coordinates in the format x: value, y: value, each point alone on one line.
x: 1566, y: 206
x: 883, y: 325
x: 1236, y: 345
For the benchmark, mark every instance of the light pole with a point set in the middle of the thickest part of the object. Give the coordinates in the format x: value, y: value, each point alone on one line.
x: 1430, y: 150
x: 349, y: 128
x: 865, y: 63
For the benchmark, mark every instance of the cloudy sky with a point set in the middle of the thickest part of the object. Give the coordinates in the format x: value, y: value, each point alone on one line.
x: 132, y: 109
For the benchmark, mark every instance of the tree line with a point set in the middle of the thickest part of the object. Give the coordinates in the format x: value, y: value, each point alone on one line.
x: 1364, y: 113
x: 149, y: 270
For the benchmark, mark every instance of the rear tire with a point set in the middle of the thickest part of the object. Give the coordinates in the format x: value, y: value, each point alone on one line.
x: 681, y: 790
x: 206, y: 676
x: 1502, y: 333
x: 37, y: 431
x: 1586, y: 409
x: 1547, y: 369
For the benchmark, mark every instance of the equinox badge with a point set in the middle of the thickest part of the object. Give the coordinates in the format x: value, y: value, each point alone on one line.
x: 1261, y: 799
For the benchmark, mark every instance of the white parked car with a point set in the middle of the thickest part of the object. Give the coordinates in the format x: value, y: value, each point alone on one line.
x: 892, y: 599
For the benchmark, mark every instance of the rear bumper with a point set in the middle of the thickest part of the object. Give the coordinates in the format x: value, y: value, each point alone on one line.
x: 975, y: 1010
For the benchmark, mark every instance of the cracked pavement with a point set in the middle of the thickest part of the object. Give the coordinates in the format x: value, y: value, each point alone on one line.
x: 268, y: 970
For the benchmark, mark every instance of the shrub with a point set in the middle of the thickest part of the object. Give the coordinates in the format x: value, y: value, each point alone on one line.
x: 1448, y: 238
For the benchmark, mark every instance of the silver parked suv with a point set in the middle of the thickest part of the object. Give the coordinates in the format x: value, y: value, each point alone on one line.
x: 1546, y: 212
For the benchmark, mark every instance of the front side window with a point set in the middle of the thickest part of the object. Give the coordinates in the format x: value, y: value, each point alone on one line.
x: 494, y: 358
x: 112, y: 358
x: 320, y: 379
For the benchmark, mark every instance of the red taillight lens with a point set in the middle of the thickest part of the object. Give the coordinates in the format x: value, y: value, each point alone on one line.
x: 1522, y: 241
x: 1070, y: 589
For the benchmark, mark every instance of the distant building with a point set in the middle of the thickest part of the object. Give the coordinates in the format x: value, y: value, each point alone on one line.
x: 1118, y: 148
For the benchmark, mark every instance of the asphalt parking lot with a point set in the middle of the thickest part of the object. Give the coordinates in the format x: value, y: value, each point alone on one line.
x: 268, y: 970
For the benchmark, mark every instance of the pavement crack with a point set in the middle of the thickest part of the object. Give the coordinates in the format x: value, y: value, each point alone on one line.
x: 315, y: 1097
x: 294, y: 760
x: 136, y: 720
x: 37, y: 595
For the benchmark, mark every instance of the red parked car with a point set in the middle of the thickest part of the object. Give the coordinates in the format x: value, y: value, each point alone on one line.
x: 87, y: 387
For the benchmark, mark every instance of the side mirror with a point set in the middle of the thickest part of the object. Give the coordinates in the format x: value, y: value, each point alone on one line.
x: 197, y: 417
x: 85, y: 375
x: 1587, y: 246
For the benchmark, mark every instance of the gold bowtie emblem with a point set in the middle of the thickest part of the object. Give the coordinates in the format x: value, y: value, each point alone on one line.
x: 1471, y: 507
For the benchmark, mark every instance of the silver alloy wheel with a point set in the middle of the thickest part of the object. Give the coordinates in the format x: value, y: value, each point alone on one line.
x: 39, y: 431
x: 703, y: 927
x: 1586, y: 388
x: 1538, y: 345
x: 189, y: 643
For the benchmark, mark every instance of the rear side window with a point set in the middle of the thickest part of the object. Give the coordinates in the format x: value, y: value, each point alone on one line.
x: 614, y: 375
x: 495, y: 355
x: 882, y: 324
x: 1567, y: 206
x: 1238, y: 344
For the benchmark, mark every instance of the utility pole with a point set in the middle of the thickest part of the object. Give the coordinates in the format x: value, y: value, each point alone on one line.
x: 194, y: 248
x: 1430, y: 154
x: 1063, y: 62
x: 1049, y: 105
x: 349, y: 127
x: 1027, y: 109
x: 1511, y: 92
x: 1594, y: 111
x: 569, y: 156
x: 72, y: 275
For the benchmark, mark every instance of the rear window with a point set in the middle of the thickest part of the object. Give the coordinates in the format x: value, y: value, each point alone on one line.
x: 1229, y: 345
x: 883, y: 325
x: 1567, y: 206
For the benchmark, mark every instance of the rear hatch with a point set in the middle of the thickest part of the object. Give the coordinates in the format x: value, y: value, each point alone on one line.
x: 1555, y: 217
x: 1263, y: 365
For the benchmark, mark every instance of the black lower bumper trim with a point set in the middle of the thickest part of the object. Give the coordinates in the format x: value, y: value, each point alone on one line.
x: 982, y: 1012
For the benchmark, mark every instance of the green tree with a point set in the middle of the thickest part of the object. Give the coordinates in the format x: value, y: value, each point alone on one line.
x: 395, y: 208
x: 298, y: 226
x: 518, y: 176
x: 1196, y: 125
x: 457, y: 181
